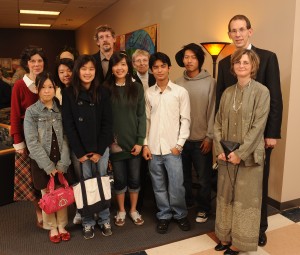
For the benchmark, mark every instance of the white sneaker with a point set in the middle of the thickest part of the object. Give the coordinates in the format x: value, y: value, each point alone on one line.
x: 201, y: 217
x: 77, y: 219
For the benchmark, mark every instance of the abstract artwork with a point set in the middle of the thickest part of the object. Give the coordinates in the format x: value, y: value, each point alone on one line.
x: 144, y: 39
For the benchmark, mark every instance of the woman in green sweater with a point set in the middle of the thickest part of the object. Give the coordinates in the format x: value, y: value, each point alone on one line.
x: 129, y: 118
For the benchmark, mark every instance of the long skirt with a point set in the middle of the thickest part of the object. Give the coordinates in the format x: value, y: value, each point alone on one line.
x: 23, y: 184
x: 238, y: 212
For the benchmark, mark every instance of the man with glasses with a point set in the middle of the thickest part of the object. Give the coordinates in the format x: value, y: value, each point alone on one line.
x: 105, y: 39
x: 140, y: 60
x: 240, y: 32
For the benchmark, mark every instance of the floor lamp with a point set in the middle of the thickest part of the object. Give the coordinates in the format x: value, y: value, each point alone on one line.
x: 214, y: 49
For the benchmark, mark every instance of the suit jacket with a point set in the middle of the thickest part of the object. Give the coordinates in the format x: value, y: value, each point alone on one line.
x: 151, y: 79
x: 268, y: 75
x: 99, y: 68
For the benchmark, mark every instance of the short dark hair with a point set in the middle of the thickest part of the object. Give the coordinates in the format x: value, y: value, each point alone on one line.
x: 196, y: 49
x: 30, y: 51
x: 240, y: 17
x: 64, y: 61
x: 70, y: 49
x: 159, y: 56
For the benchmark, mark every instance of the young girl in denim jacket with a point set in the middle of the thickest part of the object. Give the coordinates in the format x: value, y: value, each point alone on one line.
x: 48, y: 148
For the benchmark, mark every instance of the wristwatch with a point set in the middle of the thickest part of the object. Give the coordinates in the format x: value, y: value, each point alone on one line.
x: 179, y: 148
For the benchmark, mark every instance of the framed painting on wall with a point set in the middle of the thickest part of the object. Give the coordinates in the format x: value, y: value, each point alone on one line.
x: 144, y: 39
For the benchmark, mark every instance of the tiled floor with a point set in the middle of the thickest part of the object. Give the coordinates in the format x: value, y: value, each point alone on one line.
x: 283, y: 238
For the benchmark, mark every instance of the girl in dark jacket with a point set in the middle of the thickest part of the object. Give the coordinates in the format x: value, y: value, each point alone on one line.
x: 87, y: 121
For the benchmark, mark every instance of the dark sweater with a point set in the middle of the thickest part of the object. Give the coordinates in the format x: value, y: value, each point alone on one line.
x: 129, y: 122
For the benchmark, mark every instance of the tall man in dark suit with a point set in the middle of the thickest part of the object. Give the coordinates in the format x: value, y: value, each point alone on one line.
x: 105, y: 38
x: 240, y: 32
x: 140, y: 60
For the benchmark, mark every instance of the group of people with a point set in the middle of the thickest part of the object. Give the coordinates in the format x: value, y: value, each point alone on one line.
x: 97, y: 109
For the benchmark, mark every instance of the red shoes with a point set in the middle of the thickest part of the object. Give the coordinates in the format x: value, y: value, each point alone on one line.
x: 65, y: 236
x: 55, y: 238
x: 60, y: 237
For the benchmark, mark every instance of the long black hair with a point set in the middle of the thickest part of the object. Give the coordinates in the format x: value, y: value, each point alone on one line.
x: 131, y: 90
x: 77, y: 83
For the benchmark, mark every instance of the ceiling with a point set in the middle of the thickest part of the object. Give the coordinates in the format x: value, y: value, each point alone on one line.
x: 74, y: 13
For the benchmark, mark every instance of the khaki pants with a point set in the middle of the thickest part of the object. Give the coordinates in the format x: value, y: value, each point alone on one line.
x: 55, y: 220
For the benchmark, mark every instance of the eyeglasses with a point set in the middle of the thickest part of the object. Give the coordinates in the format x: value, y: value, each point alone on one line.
x: 241, y: 30
x: 103, y: 37
x: 244, y: 63
x: 140, y: 61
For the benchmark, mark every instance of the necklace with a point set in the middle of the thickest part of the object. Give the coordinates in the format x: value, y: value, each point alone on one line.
x: 234, y: 98
x: 120, y: 85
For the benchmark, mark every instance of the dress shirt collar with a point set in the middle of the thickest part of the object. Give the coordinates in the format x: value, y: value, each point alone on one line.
x: 28, y: 81
x: 169, y: 86
x: 102, y: 57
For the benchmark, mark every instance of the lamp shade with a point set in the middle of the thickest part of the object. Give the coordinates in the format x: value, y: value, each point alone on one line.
x: 214, y: 48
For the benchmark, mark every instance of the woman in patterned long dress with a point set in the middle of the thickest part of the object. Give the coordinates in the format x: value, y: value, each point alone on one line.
x: 241, y: 118
x: 24, y: 94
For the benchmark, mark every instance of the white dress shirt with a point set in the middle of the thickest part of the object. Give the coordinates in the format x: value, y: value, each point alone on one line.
x: 168, y: 118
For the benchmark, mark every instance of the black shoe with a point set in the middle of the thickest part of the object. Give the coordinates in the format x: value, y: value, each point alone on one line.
x: 222, y: 247
x: 106, y: 229
x: 230, y: 252
x: 184, y: 224
x: 162, y: 226
x: 88, y: 232
x: 262, y: 240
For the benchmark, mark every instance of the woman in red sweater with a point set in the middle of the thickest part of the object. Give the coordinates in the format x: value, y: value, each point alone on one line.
x: 24, y: 94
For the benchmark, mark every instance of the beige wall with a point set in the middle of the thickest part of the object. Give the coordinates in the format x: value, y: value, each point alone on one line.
x: 181, y: 22
x: 291, y: 180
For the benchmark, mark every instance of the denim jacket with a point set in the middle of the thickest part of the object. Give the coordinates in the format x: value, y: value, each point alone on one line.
x: 38, y: 124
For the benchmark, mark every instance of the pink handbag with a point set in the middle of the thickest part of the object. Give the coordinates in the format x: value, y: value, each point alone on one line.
x: 56, y: 199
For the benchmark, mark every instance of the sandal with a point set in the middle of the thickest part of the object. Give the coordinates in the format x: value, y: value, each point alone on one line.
x: 136, y: 218
x: 120, y: 219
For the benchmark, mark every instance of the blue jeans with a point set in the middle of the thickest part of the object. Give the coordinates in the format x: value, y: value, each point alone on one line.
x: 167, y: 181
x: 192, y: 156
x: 87, y: 172
x: 127, y: 173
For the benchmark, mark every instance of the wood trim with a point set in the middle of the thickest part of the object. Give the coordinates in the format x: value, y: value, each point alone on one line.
x: 284, y: 205
x: 7, y: 151
x: 5, y: 126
